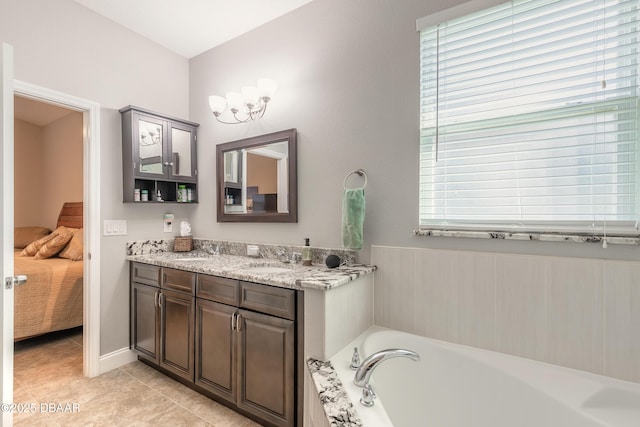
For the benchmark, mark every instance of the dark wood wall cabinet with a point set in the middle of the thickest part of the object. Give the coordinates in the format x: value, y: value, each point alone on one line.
x: 237, y: 342
x: 158, y: 157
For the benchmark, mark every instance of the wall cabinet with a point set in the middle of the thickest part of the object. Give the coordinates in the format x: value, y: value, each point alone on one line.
x: 237, y: 341
x: 158, y: 154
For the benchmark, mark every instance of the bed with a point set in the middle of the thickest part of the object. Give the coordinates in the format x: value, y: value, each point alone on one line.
x: 51, y: 299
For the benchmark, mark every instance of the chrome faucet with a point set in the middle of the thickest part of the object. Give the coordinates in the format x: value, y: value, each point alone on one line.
x: 364, y: 372
x: 294, y: 258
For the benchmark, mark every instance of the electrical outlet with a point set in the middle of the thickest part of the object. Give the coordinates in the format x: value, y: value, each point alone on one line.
x: 112, y: 227
x: 168, y: 223
x: 253, y: 250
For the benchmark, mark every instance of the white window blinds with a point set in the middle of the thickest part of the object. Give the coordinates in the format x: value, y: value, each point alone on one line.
x: 529, y: 118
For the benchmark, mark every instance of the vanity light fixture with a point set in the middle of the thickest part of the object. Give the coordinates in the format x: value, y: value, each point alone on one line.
x: 251, y: 103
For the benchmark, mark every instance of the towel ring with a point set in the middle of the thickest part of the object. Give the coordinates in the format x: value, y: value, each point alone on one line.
x: 359, y: 172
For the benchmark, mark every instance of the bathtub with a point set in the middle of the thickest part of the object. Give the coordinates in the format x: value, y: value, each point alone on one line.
x: 459, y: 386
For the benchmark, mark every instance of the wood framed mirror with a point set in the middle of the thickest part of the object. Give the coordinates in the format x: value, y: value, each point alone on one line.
x: 257, y: 179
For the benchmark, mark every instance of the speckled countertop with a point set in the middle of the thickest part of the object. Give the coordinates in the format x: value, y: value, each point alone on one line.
x: 337, y: 405
x: 293, y: 276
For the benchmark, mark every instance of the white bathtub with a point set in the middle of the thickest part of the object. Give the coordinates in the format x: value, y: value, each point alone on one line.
x: 460, y: 386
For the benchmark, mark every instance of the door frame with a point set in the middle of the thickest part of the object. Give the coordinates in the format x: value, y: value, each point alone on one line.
x: 6, y: 223
x: 91, y: 212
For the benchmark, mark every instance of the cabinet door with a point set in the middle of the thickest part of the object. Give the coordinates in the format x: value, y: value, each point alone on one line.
x: 266, y: 368
x: 149, y: 147
x: 216, y: 348
x: 177, y: 333
x: 144, y: 320
x: 182, y: 153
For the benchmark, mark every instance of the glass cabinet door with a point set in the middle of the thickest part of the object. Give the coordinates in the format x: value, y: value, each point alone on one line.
x: 150, y: 147
x: 182, y: 158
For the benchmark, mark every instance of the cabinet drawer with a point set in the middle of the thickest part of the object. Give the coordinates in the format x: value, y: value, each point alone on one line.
x: 145, y: 273
x: 268, y: 299
x: 219, y: 289
x: 178, y: 280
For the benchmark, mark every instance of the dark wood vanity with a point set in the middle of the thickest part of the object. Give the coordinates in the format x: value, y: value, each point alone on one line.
x: 237, y: 342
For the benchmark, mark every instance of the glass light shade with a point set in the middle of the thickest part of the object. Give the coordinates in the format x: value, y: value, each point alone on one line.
x: 250, y: 95
x: 267, y: 87
x: 234, y: 99
x: 217, y: 104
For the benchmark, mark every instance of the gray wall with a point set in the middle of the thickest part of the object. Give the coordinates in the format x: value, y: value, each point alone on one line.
x: 348, y: 75
x: 65, y: 47
x: 348, y: 81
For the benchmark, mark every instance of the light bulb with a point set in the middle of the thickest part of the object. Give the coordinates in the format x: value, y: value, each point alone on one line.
x: 250, y: 96
x: 234, y: 99
x: 217, y: 104
x: 267, y: 87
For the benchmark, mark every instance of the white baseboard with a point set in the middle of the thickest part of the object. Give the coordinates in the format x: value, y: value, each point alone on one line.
x: 115, y: 359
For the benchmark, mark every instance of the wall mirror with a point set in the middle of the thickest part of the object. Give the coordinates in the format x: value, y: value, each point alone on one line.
x: 257, y: 179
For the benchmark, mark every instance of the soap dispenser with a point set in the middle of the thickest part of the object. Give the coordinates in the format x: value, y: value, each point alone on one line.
x: 306, y: 253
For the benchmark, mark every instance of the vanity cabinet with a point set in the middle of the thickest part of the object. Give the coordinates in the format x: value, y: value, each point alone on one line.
x: 247, y: 357
x: 234, y: 340
x: 158, y: 155
x: 144, y: 320
x: 266, y: 367
x: 176, y: 304
x: 162, y: 317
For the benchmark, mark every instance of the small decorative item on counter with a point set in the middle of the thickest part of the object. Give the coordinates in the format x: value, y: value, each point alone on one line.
x: 159, y: 196
x: 144, y: 195
x: 136, y: 195
x: 185, y: 229
x: 306, y: 253
x: 182, y: 193
x: 332, y: 261
x: 184, y: 243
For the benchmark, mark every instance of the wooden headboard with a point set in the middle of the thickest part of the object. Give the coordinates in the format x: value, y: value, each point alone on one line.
x: 71, y: 215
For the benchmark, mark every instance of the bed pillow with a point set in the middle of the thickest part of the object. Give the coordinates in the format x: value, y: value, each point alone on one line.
x: 55, y: 245
x: 74, y: 248
x: 33, y: 247
x: 22, y: 236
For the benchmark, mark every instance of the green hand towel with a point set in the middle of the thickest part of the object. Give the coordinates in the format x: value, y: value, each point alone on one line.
x: 352, y: 217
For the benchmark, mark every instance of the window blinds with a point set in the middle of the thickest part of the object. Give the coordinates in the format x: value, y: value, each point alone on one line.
x: 529, y: 118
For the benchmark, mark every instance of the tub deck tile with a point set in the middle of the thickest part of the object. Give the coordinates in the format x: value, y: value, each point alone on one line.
x: 337, y: 405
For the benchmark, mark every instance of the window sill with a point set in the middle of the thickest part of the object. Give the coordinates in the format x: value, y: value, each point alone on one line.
x: 541, y: 237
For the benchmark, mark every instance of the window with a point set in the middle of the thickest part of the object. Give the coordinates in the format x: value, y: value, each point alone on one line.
x: 529, y: 118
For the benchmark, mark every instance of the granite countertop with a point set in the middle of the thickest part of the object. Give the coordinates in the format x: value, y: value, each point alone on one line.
x: 293, y: 276
x: 337, y: 405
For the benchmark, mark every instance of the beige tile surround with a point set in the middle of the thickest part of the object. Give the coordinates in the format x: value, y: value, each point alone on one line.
x: 50, y: 371
x: 580, y: 313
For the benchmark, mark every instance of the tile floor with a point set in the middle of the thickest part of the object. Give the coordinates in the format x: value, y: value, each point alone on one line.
x: 49, y: 371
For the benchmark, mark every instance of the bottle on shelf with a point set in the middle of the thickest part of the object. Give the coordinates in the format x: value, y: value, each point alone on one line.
x: 182, y: 193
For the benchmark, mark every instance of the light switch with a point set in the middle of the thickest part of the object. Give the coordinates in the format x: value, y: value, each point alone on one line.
x: 113, y: 227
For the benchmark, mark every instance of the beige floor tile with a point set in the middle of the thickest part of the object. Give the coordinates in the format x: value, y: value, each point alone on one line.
x: 49, y: 370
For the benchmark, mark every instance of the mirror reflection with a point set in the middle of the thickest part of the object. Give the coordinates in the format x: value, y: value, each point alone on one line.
x: 258, y: 180
x: 181, y: 152
x: 150, y: 141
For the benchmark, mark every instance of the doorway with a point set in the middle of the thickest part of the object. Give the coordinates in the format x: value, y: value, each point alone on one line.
x: 48, y: 166
x: 90, y: 112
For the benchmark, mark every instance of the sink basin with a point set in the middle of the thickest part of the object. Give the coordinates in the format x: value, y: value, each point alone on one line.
x: 266, y: 269
x: 192, y: 259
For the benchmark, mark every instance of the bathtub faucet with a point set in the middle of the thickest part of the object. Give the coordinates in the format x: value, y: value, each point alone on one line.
x: 364, y: 372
